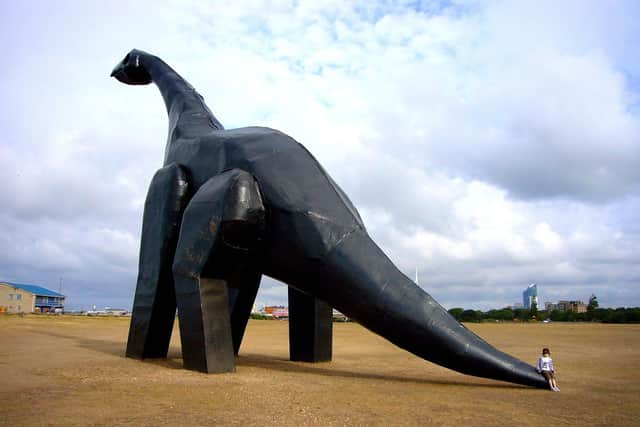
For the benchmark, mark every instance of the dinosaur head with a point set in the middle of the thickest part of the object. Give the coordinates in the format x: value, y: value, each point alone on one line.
x: 131, y: 70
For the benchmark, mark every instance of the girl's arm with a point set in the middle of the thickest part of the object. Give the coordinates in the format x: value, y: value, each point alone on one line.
x: 539, y: 368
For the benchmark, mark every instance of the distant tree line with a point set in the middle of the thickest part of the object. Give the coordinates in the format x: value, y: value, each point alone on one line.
x: 593, y: 314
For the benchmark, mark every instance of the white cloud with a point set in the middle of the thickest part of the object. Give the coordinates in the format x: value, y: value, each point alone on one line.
x: 490, y: 144
x: 548, y: 239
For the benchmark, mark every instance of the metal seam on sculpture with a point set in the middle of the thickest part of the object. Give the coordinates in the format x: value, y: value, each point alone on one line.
x: 339, y: 242
x: 348, y: 234
x: 319, y: 216
x: 379, y: 296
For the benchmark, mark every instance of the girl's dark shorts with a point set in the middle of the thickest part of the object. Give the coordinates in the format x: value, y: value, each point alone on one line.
x: 547, y: 375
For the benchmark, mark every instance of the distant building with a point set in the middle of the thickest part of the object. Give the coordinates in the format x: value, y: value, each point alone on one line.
x: 20, y: 298
x: 574, y: 306
x: 530, y: 296
x: 565, y: 305
x: 276, y: 311
x: 108, y: 311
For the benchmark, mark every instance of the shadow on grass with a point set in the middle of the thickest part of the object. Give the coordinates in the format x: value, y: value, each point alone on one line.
x: 285, y: 365
x: 114, y: 348
x: 174, y: 361
x: 117, y: 348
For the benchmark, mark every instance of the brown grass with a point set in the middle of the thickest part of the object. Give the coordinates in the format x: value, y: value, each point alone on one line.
x: 71, y: 371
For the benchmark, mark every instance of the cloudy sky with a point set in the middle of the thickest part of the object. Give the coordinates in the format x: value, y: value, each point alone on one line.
x: 488, y: 144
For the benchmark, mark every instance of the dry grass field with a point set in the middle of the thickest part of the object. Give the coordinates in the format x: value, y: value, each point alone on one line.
x: 71, y: 371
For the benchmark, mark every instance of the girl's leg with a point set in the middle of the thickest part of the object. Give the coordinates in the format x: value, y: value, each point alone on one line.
x: 553, y: 382
x: 549, y: 378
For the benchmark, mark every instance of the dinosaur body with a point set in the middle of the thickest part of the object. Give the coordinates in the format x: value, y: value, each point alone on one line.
x: 276, y: 212
x: 296, y: 191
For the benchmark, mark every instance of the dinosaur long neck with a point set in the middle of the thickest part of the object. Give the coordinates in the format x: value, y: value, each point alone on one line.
x: 180, y: 97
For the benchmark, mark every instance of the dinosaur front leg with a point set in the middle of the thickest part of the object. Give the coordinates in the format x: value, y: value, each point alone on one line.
x: 154, y: 307
x: 220, y: 229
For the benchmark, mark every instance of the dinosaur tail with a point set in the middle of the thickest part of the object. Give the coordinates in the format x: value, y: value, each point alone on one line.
x: 388, y: 303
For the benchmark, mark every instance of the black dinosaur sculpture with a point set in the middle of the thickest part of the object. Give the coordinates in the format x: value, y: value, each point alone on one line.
x: 231, y: 205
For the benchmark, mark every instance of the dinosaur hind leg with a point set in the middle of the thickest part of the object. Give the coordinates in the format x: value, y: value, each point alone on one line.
x: 220, y: 230
x: 310, y: 328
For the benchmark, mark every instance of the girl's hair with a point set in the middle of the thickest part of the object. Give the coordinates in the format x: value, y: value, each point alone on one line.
x: 545, y: 350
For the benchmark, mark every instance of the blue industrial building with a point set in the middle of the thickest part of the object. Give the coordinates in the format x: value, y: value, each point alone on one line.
x: 21, y: 298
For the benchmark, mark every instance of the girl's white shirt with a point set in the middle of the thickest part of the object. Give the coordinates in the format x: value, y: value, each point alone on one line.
x: 545, y: 363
